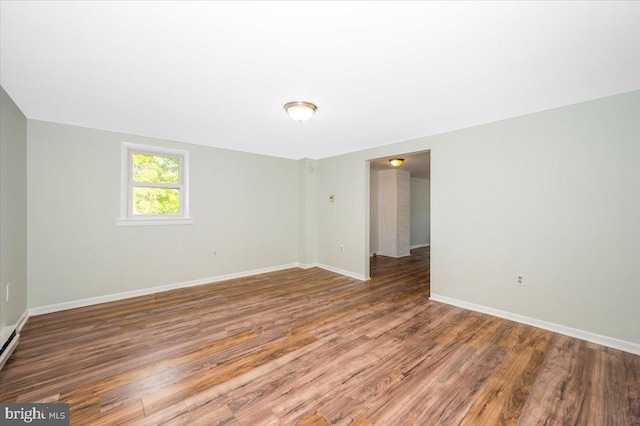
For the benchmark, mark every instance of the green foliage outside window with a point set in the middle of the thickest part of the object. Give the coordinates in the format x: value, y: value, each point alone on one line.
x: 156, y: 200
x: 155, y: 169
x: 159, y: 170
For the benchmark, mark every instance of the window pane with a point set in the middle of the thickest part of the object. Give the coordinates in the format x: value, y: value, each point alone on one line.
x: 155, y: 169
x: 156, y: 200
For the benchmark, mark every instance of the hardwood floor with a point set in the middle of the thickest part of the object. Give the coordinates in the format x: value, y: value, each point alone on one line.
x: 310, y: 347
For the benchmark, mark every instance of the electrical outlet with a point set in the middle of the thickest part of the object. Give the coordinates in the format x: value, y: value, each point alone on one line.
x: 520, y: 279
x: 341, y: 248
x: 214, y: 254
x: 7, y: 292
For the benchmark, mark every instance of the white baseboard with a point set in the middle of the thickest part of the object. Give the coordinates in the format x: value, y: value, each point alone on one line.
x: 332, y: 269
x: 9, y: 350
x: 342, y: 272
x: 611, y: 342
x: 47, y: 309
x: 22, y: 321
x: 419, y: 246
x: 41, y: 310
x: 395, y: 257
x: 306, y: 265
x: 14, y: 343
x: 17, y: 327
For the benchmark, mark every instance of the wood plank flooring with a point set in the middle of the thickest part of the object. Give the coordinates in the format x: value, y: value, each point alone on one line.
x: 309, y: 347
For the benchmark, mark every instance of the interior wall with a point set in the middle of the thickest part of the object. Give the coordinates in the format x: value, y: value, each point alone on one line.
x: 387, y: 212
x: 245, y: 208
x: 394, y: 215
x: 307, y: 211
x: 13, y: 213
x: 420, y: 212
x: 404, y: 213
x: 551, y: 195
x: 343, y: 221
x: 373, y: 212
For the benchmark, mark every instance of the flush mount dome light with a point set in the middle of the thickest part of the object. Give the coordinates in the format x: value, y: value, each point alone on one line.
x: 300, y: 111
x: 396, y: 162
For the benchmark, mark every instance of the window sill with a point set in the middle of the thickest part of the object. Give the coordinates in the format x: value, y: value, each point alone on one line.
x: 154, y: 222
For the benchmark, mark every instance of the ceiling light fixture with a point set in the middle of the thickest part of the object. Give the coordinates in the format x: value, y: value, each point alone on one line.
x: 300, y: 111
x: 396, y: 162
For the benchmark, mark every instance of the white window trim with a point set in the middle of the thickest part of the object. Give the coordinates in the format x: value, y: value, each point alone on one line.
x: 126, y: 188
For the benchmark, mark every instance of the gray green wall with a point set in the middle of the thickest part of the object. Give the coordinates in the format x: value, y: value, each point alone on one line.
x: 13, y: 214
x: 307, y: 209
x: 245, y: 208
x: 343, y: 221
x: 420, y: 212
x: 553, y: 195
x: 373, y: 211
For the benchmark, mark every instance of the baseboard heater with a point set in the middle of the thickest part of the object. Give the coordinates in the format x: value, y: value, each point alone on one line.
x: 8, y: 348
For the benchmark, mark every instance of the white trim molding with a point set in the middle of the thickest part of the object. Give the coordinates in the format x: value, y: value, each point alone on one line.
x: 127, y: 218
x: 419, y: 246
x: 4, y: 357
x: 47, y: 309
x: 41, y: 310
x: 22, y: 321
x: 395, y: 257
x: 9, y: 350
x: 611, y: 342
x: 332, y: 269
x: 154, y: 222
x: 342, y: 272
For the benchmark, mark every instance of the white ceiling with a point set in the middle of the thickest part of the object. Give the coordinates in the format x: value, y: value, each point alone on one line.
x: 218, y: 73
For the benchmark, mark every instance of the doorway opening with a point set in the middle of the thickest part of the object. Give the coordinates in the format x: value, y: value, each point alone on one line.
x: 400, y: 217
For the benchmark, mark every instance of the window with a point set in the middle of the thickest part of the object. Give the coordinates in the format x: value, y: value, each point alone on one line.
x: 155, y: 186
